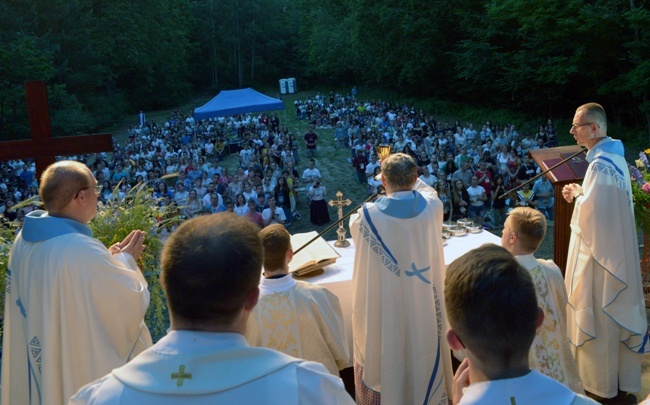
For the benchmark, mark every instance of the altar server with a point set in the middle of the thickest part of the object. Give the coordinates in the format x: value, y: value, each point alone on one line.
x: 211, y: 267
x: 606, y: 316
x: 493, y: 313
x: 550, y: 352
x: 74, y: 310
x: 398, y: 318
x: 298, y: 318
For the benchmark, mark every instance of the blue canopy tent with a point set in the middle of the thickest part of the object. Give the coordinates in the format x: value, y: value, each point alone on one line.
x: 230, y: 102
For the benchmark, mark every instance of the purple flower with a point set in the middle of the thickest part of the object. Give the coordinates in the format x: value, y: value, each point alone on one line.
x: 637, y: 175
x: 643, y: 158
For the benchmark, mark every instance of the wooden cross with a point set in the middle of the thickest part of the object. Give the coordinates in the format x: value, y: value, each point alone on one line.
x: 43, y: 147
x: 340, y: 203
x: 181, y: 375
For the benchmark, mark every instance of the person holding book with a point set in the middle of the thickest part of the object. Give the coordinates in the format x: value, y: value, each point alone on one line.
x: 306, y: 316
x: 398, y: 316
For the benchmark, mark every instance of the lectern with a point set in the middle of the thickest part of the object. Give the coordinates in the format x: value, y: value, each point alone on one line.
x: 572, y: 171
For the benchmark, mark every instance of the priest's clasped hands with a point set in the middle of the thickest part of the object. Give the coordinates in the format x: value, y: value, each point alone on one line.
x: 571, y: 191
x: 133, y: 244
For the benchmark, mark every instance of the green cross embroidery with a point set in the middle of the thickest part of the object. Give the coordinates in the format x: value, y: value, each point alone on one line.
x: 181, y: 375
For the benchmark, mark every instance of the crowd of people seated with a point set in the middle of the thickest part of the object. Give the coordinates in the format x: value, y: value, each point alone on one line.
x: 181, y: 159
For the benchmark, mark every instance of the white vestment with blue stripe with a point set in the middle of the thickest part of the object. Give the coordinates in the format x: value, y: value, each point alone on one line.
x: 606, y: 317
x: 398, y: 318
x: 73, y: 311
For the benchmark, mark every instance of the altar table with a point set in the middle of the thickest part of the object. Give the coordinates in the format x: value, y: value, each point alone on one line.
x: 338, y: 277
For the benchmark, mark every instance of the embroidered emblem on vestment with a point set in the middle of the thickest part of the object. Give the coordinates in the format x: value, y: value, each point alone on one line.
x: 35, y: 352
x: 181, y: 375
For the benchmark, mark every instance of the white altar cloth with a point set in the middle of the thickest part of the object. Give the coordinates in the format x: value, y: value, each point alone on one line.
x: 338, y: 277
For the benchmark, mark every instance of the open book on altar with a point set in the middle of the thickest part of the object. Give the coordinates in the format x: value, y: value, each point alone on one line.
x: 315, y: 256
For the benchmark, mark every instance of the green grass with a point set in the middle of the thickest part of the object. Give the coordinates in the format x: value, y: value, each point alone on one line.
x: 338, y: 174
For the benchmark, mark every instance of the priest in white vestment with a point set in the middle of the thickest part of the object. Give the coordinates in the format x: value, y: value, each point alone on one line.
x: 493, y: 313
x: 297, y: 318
x: 550, y: 353
x: 74, y: 310
x: 606, y: 314
x: 398, y: 318
x: 210, y: 271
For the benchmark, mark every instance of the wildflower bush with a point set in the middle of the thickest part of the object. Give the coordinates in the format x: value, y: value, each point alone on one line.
x: 7, y: 235
x: 640, y: 173
x: 140, y: 210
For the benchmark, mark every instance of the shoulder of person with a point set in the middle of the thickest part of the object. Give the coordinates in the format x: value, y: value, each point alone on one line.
x: 79, y: 247
x: 88, y: 393
x: 309, y: 289
x: 551, y: 268
x: 585, y: 400
x: 314, y: 379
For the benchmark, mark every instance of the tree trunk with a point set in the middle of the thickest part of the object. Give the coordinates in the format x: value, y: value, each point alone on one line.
x: 238, y: 55
x: 215, y: 78
x: 253, y: 61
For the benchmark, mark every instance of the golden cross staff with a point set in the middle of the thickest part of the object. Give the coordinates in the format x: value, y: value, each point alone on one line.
x: 340, y: 203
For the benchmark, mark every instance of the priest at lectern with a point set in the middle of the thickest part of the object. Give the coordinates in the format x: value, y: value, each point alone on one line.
x: 606, y: 315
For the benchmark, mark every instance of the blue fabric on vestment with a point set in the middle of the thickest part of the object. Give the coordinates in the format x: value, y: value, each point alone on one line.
x: 39, y: 226
x: 403, y: 208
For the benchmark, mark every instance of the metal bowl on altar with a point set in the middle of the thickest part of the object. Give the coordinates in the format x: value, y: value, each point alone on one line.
x: 458, y: 230
x: 465, y: 222
x: 447, y: 225
x: 474, y: 228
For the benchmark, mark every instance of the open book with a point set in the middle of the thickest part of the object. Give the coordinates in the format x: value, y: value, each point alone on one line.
x: 315, y: 256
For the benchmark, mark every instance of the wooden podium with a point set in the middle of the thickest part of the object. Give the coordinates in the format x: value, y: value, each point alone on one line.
x: 572, y: 171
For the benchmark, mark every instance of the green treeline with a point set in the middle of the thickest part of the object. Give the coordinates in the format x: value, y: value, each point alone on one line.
x: 102, y: 59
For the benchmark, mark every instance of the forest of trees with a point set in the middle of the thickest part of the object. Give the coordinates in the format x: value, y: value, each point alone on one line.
x: 102, y: 59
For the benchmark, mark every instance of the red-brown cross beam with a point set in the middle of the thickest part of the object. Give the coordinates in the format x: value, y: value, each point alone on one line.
x: 43, y: 147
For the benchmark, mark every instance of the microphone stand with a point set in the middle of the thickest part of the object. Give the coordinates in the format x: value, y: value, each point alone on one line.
x: 380, y: 191
x: 507, y: 193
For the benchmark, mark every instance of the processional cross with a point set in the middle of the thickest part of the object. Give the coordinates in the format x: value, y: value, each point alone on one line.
x: 340, y: 203
x: 43, y: 147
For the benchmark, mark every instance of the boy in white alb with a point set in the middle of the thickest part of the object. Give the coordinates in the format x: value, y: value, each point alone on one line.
x: 492, y: 311
x: 550, y: 353
x: 307, y: 316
